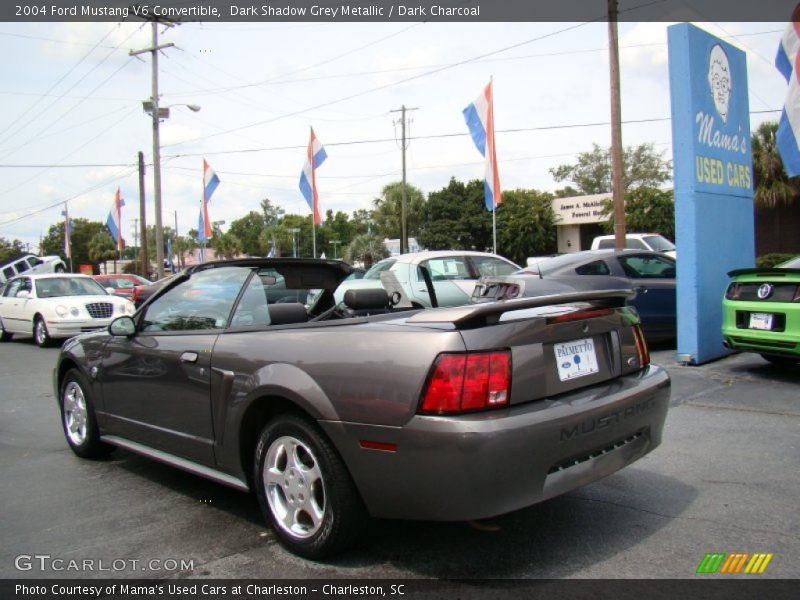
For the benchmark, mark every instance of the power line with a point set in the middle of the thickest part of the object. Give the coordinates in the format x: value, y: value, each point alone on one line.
x: 387, y: 85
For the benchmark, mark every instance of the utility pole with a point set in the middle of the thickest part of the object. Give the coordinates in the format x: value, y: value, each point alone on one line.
x: 617, y: 191
x: 404, y: 202
x: 142, y: 217
x: 135, y: 237
x: 156, y: 114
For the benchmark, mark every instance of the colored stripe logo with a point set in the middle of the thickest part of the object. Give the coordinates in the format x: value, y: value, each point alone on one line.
x: 734, y: 563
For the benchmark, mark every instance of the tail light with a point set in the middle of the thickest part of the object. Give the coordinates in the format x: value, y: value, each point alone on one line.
x: 642, y: 353
x: 465, y: 382
x: 733, y: 291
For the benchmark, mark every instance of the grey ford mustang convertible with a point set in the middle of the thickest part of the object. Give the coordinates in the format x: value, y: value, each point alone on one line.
x: 248, y: 373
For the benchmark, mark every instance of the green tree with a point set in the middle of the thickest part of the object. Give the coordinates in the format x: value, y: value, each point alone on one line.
x: 772, y: 186
x: 227, y: 245
x: 526, y: 225
x: 271, y: 213
x: 455, y: 218
x: 102, y: 248
x: 366, y: 249
x: 183, y: 245
x: 10, y: 249
x: 647, y: 210
x: 248, y: 229
x: 386, y: 216
x: 642, y: 166
x: 83, y: 230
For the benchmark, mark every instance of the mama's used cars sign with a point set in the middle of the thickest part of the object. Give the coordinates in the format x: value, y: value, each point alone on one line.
x: 713, y: 176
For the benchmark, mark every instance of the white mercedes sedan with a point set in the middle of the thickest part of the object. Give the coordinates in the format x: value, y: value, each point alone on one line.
x: 50, y: 306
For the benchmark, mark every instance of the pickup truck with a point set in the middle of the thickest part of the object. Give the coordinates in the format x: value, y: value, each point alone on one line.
x: 330, y: 411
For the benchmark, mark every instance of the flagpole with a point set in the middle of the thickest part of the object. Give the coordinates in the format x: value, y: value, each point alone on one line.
x: 494, y: 229
x: 313, y: 238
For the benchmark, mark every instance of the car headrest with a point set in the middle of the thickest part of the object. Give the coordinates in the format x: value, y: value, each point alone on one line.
x: 284, y: 313
x: 366, y: 299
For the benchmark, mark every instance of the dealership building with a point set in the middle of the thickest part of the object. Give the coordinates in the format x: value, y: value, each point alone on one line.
x: 579, y: 220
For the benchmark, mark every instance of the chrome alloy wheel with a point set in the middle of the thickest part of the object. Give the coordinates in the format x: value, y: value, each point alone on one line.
x: 295, y: 488
x: 75, y: 413
x: 40, y: 332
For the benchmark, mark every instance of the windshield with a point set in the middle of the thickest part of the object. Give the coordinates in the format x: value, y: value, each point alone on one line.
x: 791, y: 264
x: 378, y: 268
x: 659, y: 243
x: 54, y: 287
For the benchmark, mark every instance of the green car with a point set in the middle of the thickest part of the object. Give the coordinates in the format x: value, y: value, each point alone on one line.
x: 761, y: 312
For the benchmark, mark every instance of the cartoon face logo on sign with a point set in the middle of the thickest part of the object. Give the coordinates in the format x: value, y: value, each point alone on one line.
x: 719, y: 80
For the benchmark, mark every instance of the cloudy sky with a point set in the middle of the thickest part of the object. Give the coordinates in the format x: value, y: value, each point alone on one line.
x: 71, y: 120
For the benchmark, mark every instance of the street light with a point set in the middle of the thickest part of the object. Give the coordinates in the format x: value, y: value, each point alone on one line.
x: 335, y: 246
x: 157, y: 113
x: 294, y: 231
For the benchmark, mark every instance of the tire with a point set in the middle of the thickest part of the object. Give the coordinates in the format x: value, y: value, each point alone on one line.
x: 304, y: 489
x: 40, y: 334
x: 5, y: 336
x: 780, y: 361
x: 78, y: 419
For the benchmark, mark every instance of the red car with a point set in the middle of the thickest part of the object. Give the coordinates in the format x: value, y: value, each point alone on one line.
x: 123, y: 283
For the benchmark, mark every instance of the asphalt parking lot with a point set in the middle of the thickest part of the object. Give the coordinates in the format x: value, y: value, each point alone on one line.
x: 724, y: 480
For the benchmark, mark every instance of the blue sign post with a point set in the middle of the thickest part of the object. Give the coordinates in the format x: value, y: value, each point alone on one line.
x: 713, y: 174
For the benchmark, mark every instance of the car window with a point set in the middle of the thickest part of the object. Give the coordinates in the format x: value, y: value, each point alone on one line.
x: 9, y: 272
x: 203, y: 302
x: 253, y: 309
x: 597, y: 267
x: 53, y: 287
x: 33, y: 261
x: 21, y: 266
x: 121, y: 283
x: 446, y: 268
x: 606, y: 244
x: 490, y: 265
x: 13, y: 287
x: 644, y: 267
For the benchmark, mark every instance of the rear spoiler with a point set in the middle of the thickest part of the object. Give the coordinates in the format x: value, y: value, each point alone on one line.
x: 764, y: 271
x: 488, y: 313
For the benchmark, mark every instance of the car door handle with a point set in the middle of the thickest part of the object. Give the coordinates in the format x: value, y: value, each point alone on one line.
x: 641, y: 289
x: 190, y: 357
x: 423, y: 290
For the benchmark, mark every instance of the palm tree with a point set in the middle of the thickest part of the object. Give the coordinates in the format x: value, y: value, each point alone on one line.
x: 365, y: 249
x: 227, y: 246
x: 772, y: 185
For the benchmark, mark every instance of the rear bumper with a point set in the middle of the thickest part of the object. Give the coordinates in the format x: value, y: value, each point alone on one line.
x: 490, y: 463
x: 737, y: 336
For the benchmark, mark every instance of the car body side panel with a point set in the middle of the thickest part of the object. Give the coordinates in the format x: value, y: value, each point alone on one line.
x: 369, y: 372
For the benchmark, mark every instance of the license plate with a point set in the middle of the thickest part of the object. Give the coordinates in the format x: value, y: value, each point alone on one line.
x: 761, y: 321
x: 575, y: 359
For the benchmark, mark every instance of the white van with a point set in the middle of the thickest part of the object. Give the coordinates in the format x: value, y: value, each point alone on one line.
x: 637, y: 241
x: 30, y: 264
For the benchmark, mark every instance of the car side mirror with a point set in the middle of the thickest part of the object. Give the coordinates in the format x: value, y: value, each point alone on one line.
x: 110, y: 290
x: 122, y: 327
x: 23, y: 294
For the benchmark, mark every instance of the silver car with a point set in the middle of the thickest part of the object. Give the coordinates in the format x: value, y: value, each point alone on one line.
x: 453, y: 275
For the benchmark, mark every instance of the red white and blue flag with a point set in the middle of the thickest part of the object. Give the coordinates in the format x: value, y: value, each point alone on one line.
x: 210, y: 183
x: 315, y: 156
x: 789, y: 126
x: 480, y: 121
x: 114, y: 220
x: 790, y: 44
x: 67, y: 232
